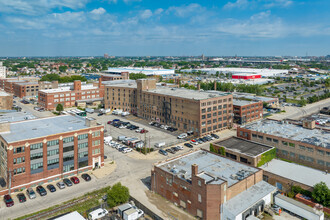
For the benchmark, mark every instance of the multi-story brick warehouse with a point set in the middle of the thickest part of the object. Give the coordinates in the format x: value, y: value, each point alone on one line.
x: 26, y: 89
x: 6, y: 101
x: 43, y: 150
x: 210, y: 186
x: 68, y: 95
x: 247, y: 111
x: 7, y: 84
x: 310, y: 147
x: 200, y: 111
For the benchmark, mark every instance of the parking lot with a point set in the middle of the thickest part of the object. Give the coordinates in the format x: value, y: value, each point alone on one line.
x: 152, y: 137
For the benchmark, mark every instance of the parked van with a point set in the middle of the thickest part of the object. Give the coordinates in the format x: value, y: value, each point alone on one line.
x: 161, y: 144
x: 121, y: 138
x: 97, y: 214
x: 107, y: 139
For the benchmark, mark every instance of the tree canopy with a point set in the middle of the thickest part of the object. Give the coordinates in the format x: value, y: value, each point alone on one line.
x: 118, y: 194
x: 64, y: 79
x: 136, y: 76
x: 59, y: 107
x: 321, y: 194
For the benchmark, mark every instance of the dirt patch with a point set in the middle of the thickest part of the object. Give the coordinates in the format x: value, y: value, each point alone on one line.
x: 167, y: 208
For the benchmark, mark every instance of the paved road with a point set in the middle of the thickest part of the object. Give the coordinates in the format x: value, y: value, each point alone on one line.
x: 298, y: 112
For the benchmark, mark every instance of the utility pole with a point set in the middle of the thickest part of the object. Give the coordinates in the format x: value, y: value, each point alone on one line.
x: 9, y: 181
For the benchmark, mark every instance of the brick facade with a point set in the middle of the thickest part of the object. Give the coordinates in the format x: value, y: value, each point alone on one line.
x: 247, y: 113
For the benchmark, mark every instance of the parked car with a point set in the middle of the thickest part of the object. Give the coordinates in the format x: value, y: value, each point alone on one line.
x: 190, y: 133
x: 193, y: 141
x: 175, y: 149
x: 183, y: 135
x: 161, y: 151
x: 179, y: 147
x: 86, y: 177
x: 31, y: 194
x: 127, y: 150
x: 75, y: 180
x: 8, y: 200
x: 51, y: 188
x: 21, y: 197
x: 170, y: 151
x: 60, y: 185
x: 215, y: 136
x: 138, y: 130
x: 99, y: 114
x: 144, y: 131
x: 67, y: 182
x: 210, y: 137
x: 160, y: 144
x: 188, y: 145
x: 41, y: 190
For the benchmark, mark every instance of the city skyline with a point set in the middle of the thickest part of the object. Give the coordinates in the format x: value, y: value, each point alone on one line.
x: 164, y: 28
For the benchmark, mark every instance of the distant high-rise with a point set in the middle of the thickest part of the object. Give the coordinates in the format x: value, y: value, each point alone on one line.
x: 106, y: 55
x: 2, y: 71
x: 203, y: 57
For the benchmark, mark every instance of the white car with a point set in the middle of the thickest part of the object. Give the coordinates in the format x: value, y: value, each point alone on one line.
x: 126, y: 150
x: 179, y: 147
x: 183, y: 135
x: 138, y: 130
x: 209, y: 136
x: 60, y: 185
x: 122, y: 126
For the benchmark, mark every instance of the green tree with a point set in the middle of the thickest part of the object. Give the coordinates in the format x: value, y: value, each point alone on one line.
x: 136, y: 76
x: 117, y: 195
x: 59, y: 108
x: 321, y: 194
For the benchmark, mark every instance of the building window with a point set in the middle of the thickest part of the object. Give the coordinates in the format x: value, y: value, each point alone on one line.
x: 292, y: 145
x: 52, y: 143
x: 292, y: 154
x: 265, y: 178
x: 36, y: 146
x: 96, y: 143
x: 52, y: 152
x: 82, y: 145
x: 320, y: 152
x: 36, y: 156
x: 254, y: 135
x: 96, y: 151
x: 320, y: 162
x: 96, y: 134
x: 268, y: 139
x: 36, y: 166
x: 285, y: 143
x: 199, y: 182
x: 199, y: 198
x: 19, y: 150
x: 309, y: 149
x: 68, y: 139
x: 275, y: 140
x: 82, y: 136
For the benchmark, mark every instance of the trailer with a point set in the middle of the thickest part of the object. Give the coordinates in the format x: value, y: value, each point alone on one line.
x: 298, y: 208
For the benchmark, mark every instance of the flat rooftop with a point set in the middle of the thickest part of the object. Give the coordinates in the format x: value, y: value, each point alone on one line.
x: 248, y: 198
x: 121, y: 83
x: 15, y: 116
x: 68, y: 88
x: 187, y: 93
x: 253, y: 97
x: 296, y: 172
x: 239, y: 102
x: 243, y: 146
x: 42, y: 127
x: 3, y: 93
x: 28, y: 83
x: 213, y: 168
x: 290, y: 131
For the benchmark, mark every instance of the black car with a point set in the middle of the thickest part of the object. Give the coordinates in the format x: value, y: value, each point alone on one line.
x: 99, y: 114
x: 41, y: 190
x: 67, y: 182
x: 188, y: 145
x: 175, y: 148
x: 204, y: 139
x: 161, y: 151
x: 21, y: 197
x: 51, y: 188
x: 201, y: 139
x: 215, y: 136
x: 86, y: 177
x: 170, y: 151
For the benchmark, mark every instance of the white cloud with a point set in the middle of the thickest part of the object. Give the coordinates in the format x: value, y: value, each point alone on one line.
x: 146, y: 14
x: 238, y: 4
x: 278, y: 3
x: 185, y: 10
x: 98, y: 11
x: 159, y: 11
x: 37, y: 7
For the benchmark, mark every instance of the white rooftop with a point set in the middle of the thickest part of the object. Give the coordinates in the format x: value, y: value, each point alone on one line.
x: 291, y: 131
x: 68, y: 88
x: 71, y: 216
x: 295, y: 172
x: 146, y: 71
x: 42, y: 127
x: 248, y: 198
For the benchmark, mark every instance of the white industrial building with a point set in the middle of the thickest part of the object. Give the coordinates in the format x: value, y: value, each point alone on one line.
x: 262, y: 72
x: 3, y: 73
x: 146, y: 71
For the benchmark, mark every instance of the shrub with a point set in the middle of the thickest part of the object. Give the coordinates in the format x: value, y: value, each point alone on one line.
x: 118, y: 194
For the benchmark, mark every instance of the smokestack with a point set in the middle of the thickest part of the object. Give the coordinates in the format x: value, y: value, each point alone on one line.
x: 215, y: 85
x: 194, y: 170
x: 198, y: 86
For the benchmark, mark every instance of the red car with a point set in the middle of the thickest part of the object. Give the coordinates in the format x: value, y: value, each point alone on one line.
x: 75, y: 180
x: 143, y: 131
x: 8, y: 200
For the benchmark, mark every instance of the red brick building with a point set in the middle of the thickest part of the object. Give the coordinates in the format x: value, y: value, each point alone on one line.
x: 44, y: 150
x: 210, y: 186
x: 26, y: 89
x: 247, y: 111
x: 111, y: 77
x: 68, y: 95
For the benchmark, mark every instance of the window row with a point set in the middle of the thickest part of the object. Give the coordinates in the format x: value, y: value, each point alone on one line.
x: 18, y: 150
x: 19, y: 170
x: 52, y: 143
x: 82, y: 136
x: 19, y: 160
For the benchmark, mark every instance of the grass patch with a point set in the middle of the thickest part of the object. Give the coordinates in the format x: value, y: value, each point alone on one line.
x: 92, y: 201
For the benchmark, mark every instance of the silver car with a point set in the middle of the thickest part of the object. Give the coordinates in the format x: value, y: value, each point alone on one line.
x: 60, y: 185
x: 31, y: 194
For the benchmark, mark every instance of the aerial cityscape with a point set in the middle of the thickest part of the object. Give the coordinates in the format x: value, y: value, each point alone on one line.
x: 140, y: 109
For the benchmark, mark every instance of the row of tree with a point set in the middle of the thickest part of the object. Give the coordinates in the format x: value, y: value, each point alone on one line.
x: 64, y: 79
x: 229, y: 87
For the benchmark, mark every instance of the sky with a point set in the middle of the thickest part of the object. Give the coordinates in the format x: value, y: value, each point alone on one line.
x: 164, y: 27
